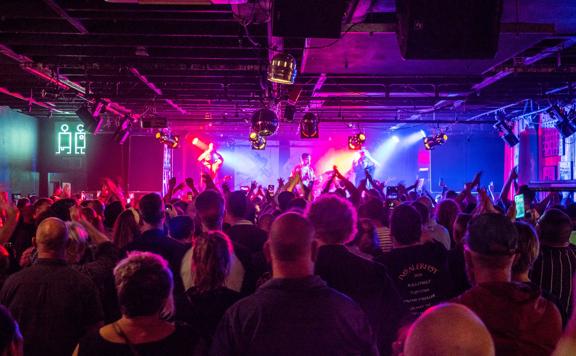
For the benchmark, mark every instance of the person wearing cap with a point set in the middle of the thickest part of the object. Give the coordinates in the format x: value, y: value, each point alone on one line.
x: 519, y: 319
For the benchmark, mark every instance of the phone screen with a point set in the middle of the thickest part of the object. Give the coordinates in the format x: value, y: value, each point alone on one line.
x: 420, y: 184
x: 244, y: 188
x: 519, y: 201
x: 190, y: 196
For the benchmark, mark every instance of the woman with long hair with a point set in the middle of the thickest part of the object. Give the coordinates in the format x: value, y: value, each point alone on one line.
x: 203, y: 305
x: 126, y: 228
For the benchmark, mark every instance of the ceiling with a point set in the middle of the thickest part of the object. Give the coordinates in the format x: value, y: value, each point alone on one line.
x: 206, y: 64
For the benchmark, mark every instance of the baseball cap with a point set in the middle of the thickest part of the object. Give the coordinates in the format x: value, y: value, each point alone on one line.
x: 492, y: 235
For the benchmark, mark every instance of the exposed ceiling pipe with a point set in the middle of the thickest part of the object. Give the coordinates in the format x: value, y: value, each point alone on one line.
x: 29, y: 100
x: 155, y: 89
x: 63, y: 14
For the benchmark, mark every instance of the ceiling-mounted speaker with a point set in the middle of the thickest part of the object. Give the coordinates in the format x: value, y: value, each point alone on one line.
x: 448, y: 29
x: 307, y: 18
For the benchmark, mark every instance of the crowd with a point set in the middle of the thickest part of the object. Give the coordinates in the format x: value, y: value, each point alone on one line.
x: 356, y: 270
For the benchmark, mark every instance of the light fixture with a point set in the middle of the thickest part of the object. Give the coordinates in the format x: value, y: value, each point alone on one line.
x: 355, y: 142
x: 505, y: 131
x: 91, y: 119
x: 257, y: 142
x: 171, y: 141
x: 282, y: 69
x: 563, y: 124
x: 309, y: 126
x: 123, y: 131
x: 264, y: 122
x: 432, y: 141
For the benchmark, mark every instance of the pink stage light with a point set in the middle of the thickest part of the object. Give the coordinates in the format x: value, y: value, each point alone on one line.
x: 195, y: 141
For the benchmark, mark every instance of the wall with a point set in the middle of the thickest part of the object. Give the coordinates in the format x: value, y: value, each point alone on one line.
x: 463, y: 155
x: 18, y: 152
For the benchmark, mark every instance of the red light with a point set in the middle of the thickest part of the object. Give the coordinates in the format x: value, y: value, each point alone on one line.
x: 195, y: 141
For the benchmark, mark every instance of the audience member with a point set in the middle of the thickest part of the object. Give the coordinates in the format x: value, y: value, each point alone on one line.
x: 144, y: 286
x: 446, y: 213
x: 154, y: 239
x: 519, y: 319
x: 203, y: 305
x: 468, y: 336
x: 419, y: 270
x: 53, y: 303
x: 10, y: 337
x: 456, y: 261
x: 243, y: 231
x: 210, y: 211
x: 295, y: 313
x: 111, y: 213
x: 555, y: 267
x: 365, y: 243
x: 126, y: 228
x: 431, y: 230
x: 366, y: 282
x: 374, y: 210
x: 181, y: 228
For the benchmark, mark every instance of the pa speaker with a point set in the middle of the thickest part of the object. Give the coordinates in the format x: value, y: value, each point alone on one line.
x: 307, y: 18
x: 448, y: 29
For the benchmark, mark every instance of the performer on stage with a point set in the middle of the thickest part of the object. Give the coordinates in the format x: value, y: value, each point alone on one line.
x: 211, y: 161
x: 305, y: 170
x: 363, y: 163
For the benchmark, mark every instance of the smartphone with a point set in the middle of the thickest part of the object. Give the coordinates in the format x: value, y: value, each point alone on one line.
x: 244, y: 188
x: 190, y: 196
x: 519, y: 201
x: 271, y: 189
x: 392, y: 193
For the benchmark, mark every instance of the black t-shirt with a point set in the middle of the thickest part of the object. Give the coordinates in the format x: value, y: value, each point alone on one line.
x: 421, y: 274
x: 203, y: 311
x: 182, y: 342
x: 54, y: 305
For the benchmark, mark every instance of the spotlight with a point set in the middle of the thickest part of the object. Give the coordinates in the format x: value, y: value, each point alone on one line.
x: 253, y: 136
x: 259, y: 143
x: 362, y: 137
x: 282, y: 69
x: 563, y: 124
x: 92, y: 121
x: 195, y: 141
x: 505, y: 131
x: 432, y: 141
x: 171, y: 141
x: 309, y: 126
x: 264, y: 122
x: 123, y: 131
x: 395, y: 139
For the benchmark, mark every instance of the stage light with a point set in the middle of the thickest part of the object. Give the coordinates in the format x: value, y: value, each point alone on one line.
x: 422, y: 133
x: 362, y: 137
x: 506, y: 132
x: 282, y: 69
x: 259, y: 143
x: 395, y: 138
x: 354, y: 143
x: 92, y: 121
x: 171, y: 141
x: 195, y: 141
x: 309, y: 126
x: 264, y: 122
x: 563, y: 124
x: 432, y: 141
x: 123, y: 130
x: 253, y: 136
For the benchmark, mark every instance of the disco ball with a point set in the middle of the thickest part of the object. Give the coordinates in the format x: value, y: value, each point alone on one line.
x: 265, y: 122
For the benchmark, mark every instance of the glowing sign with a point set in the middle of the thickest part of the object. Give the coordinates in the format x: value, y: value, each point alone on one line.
x: 71, y: 139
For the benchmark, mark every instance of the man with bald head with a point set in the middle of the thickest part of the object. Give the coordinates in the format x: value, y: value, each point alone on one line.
x: 295, y: 313
x: 468, y: 335
x: 53, y: 303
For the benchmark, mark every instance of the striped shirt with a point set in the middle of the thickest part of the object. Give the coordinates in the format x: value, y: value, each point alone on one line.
x: 384, y: 239
x: 553, y: 272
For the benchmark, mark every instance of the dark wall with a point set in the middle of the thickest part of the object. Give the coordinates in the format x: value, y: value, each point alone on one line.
x: 18, y: 152
x: 463, y: 155
x: 145, y: 164
x: 106, y: 158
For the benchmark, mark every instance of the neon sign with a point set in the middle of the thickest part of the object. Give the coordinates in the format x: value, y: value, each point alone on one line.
x: 71, y: 139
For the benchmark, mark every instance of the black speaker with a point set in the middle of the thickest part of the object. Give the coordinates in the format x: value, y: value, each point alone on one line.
x: 307, y: 18
x: 448, y: 29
